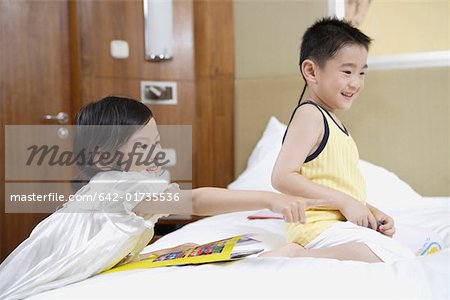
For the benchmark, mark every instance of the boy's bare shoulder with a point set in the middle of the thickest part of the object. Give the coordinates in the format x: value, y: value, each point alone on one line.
x: 306, y: 126
x: 308, y: 113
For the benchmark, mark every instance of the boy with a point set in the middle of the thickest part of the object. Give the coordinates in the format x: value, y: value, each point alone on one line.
x: 319, y: 159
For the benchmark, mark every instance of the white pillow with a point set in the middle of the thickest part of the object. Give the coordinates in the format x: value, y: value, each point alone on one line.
x: 383, y: 186
x: 257, y: 175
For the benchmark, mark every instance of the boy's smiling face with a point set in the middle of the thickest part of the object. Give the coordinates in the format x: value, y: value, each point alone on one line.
x: 340, y: 81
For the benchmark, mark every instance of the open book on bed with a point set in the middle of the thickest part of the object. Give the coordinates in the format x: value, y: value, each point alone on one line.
x: 218, y: 251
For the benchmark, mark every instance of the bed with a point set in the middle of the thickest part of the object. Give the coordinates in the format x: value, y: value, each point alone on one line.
x: 426, y: 277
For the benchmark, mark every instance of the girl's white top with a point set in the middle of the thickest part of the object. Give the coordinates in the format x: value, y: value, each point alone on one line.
x: 83, y: 238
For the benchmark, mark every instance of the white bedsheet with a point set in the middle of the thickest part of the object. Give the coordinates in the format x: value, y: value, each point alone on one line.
x: 420, y: 278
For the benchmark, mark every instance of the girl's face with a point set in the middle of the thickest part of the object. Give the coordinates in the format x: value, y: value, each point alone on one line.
x: 142, y: 147
x: 341, y: 80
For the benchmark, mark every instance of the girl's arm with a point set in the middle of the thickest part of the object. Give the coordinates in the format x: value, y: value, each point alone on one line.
x: 304, y: 135
x: 212, y: 201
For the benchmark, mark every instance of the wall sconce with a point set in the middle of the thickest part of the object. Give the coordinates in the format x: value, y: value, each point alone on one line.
x: 158, y: 22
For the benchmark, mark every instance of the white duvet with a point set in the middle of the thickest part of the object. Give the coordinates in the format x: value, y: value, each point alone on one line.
x: 420, y: 278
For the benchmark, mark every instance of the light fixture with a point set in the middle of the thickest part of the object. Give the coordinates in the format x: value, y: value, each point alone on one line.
x: 158, y: 22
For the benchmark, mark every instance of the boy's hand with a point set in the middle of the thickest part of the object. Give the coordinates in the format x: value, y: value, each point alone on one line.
x: 357, y: 213
x: 387, y: 223
x: 292, y: 208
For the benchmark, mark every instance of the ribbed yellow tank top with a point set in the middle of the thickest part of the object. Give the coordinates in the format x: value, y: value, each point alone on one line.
x: 334, y: 164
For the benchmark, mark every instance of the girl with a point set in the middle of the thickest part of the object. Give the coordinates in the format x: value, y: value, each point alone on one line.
x: 83, y: 238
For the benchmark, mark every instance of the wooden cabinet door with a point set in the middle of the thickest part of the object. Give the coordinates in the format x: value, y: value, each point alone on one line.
x: 34, y: 81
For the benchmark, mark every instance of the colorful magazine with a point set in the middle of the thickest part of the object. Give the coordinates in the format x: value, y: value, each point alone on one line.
x: 217, y: 251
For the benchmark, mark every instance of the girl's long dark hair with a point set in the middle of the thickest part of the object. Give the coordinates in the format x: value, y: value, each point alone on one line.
x: 90, y: 136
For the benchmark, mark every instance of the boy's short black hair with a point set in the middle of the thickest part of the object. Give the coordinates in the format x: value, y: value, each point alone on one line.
x: 325, y: 37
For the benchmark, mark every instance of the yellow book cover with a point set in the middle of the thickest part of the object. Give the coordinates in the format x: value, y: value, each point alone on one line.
x: 217, y: 251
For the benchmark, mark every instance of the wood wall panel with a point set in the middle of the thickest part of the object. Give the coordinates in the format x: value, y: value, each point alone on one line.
x: 203, y: 67
x: 214, y: 43
x: 103, y: 21
x: 30, y: 50
x: 214, y: 62
x: 213, y: 132
x: 34, y: 81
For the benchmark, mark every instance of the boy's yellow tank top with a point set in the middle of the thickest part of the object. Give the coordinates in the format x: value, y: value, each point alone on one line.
x: 334, y: 164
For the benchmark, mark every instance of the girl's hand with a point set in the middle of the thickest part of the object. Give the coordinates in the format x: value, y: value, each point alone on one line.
x: 387, y: 223
x: 292, y: 208
x: 357, y: 213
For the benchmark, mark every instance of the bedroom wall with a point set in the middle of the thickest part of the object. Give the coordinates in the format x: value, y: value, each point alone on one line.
x: 267, y: 39
x: 400, y: 121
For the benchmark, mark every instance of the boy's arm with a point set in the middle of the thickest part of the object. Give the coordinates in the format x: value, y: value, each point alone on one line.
x: 303, y: 137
